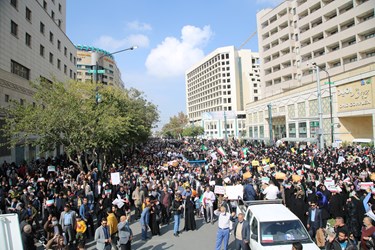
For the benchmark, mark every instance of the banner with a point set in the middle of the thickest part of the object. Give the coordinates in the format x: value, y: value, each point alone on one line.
x: 233, y: 192
x: 219, y: 190
x: 365, y: 185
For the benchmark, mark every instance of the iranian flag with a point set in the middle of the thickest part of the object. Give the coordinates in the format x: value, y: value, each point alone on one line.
x: 221, y: 151
x: 244, y: 152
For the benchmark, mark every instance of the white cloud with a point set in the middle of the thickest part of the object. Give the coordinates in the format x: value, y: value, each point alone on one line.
x: 173, y: 56
x: 111, y: 44
x: 271, y: 3
x: 136, y: 25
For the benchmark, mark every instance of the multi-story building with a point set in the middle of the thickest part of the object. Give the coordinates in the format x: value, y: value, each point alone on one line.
x: 88, y: 58
x: 339, y: 37
x: 223, y: 81
x: 33, y: 46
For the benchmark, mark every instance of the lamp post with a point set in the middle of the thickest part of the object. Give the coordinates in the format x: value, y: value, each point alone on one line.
x: 97, y: 95
x: 330, y: 104
x: 320, y: 111
x: 116, y: 52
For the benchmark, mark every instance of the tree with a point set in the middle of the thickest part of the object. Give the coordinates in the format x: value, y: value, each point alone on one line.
x: 68, y: 114
x: 176, y: 125
x: 193, y: 131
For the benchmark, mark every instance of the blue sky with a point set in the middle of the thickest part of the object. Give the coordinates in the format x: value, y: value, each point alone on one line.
x: 171, y: 35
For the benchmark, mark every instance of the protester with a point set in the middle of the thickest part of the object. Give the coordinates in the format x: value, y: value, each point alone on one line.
x: 103, y: 236
x: 145, y: 221
x: 208, y: 204
x: 189, y: 214
x: 225, y: 225
x: 177, y: 208
x: 241, y: 233
x: 340, y: 242
x: 125, y: 234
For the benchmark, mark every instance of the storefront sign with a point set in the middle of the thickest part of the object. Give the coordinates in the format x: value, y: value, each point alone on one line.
x: 355, y: 96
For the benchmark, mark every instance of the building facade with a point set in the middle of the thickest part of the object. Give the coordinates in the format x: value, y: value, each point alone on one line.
x: 33, y: 46
x: 223, y: 81
x: 88, y: 58
x: 337, y: 36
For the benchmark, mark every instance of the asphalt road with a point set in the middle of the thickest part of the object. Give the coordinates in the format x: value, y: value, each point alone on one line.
x: 202, y: 238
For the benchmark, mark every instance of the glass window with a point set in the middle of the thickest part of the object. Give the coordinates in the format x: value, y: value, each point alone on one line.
x: 20, y: 70
x: 28, y: 14
x: 250, y: 132
x: 41, y: 50
x: 254, y: 227
x: 292, y: 130
x: 14, y: 3
x: 51, y: 57
x: 14, y: 28
x: 45, y: 5
x: 302, y: 129
x: 283, y: 232
x: 28, y: 39
x: 42, y: 28
x: 261, y: 131
x: 59, y: 45
x: 51, y: 37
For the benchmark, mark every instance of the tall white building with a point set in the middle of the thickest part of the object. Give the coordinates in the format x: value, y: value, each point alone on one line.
x: 335, y: 34
x: 33, y: 46
x: 339, y: 37
x: 88, y: 58
x: 223, y: 81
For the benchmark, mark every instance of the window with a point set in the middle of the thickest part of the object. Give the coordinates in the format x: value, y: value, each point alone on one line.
x: 42, y: 28
x: 41, y: 50
x: 51, y: 58
x: 28, y: 39
x: 71, y: 73
x: 22, y: 101
x: 20, y: 70
x: 14, y: 28
x: 65, y: 69
x: 65, y: 51
x: 51, y: 37
x: 60, y: 8
x: 71, y: 57
x: 254, y: 227
x: 53, y: 14
x: 7, y: 98
x: 45, y: 5
x: 28, y: 14
x: 59, y: 45
x: 14, y: 3
x: 58, y: 63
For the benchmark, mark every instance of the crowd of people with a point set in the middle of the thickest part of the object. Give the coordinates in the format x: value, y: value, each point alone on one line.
x: 165, y: 181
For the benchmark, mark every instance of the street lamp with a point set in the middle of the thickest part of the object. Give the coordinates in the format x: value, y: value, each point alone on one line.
x: 97, y: 95
x: 116, y: 52
x: 330, y: 103
x: 320, y: 111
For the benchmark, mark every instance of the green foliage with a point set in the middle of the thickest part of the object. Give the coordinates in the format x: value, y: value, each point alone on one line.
x: 176, y: 126
x: 69, y: 114
x: 193, y: 131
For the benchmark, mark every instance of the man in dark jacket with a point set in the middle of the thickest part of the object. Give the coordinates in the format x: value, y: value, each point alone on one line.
x: 340, y: 242
x: 241, y: 233
x: 249, y: 191
x: 314, y: 219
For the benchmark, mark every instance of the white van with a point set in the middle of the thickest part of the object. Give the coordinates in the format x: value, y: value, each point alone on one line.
x: 274, y: 226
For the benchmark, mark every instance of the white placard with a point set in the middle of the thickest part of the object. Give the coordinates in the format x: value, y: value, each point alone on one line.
x: 329, y: 182
x: 233, y: 192
x: 115, y: 178
x: 212, y: 183
x: 340, y: 160
x: 366, y: 185
x: 118, y: 202
x: 219, y: 190
x: 51, y: 169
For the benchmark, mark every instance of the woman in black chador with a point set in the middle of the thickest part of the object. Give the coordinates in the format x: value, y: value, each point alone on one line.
x: 189, y: 215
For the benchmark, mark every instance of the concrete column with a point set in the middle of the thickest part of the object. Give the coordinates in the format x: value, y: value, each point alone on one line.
x: 26, y: 152
x: 373, y: 127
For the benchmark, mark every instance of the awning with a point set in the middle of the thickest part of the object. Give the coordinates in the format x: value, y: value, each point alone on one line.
x: 312, y: 140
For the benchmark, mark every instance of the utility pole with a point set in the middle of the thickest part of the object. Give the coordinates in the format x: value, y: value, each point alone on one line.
x: 320, y: 111
x: 269, y: 106
x: 225, y: 127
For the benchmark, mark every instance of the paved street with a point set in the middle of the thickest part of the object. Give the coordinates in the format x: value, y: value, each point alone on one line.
x: 203, y: 238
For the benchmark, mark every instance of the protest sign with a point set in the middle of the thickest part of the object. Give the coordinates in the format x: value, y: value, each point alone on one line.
x: 329, y: 182
x: 212, y: 183
x: 118, y: 202
x: 115, y: 178
x: 365, y: 185
x: 233, y: 192
x: 51, y: 169
x: 219, y: 190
